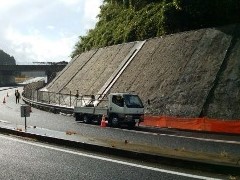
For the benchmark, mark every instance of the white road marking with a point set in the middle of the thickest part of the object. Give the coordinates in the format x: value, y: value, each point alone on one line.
x: 189, y: 137
x: 110, y: 160
x: 4, y: 121
x: 203, y: 139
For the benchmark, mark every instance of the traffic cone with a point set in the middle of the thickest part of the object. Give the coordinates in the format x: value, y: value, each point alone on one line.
x: 4, y: 101
x: 103, y: 121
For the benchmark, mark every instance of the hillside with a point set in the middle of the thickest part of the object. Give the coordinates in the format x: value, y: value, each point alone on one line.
x: 6, y: 59
x: 188, y: 74
x: 122, y: 21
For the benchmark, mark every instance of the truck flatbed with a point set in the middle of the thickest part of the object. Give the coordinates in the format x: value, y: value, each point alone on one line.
x: 92, y: 110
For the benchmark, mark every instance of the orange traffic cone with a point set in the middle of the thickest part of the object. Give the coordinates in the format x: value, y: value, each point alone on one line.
x: 4, y: 101
x: 103, y: 121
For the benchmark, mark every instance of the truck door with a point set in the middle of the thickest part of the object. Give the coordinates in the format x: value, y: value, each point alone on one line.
x: 117, y: 105
x: 133, y: 104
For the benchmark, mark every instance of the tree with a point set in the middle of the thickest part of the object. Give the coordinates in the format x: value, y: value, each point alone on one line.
x: 132, y: 20
x: 6, y: 59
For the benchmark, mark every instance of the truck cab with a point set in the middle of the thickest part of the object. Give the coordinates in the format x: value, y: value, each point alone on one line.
x: 124, y: 108
x: 118, y: 108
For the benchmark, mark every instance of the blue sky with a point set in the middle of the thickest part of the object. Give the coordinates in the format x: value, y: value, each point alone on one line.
x: 44, y: 30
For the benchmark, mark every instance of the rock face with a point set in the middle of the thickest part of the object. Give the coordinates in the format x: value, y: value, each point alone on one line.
x: 189, y: 74
x: 224, y: 99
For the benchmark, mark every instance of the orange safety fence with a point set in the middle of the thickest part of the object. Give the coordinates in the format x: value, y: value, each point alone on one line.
x: 196, y: 124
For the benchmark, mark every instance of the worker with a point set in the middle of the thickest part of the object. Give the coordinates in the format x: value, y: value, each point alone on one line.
x: 17, y: 95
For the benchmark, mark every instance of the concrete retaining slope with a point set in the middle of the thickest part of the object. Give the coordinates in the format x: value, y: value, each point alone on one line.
x: 91, y: 77
x: 69, y: 72
x: 181, y: 74
x: 176, y: 72
x: 224, y: 99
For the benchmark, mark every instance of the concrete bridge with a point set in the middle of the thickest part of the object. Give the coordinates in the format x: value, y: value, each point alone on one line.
x: 7, y: 71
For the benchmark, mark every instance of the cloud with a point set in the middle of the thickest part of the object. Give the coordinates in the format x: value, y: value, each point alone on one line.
x: 6, y: 5
x: 50, y: 27
x: 71, y: 2
x: 43, y: 30
x: 36, y: 47
x: 91, y: 10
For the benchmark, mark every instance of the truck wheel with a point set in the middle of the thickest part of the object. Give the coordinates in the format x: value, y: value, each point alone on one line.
x: 131, y: 125
x: 115, y: 122
x: 86, y: 119
x: 77, y: 116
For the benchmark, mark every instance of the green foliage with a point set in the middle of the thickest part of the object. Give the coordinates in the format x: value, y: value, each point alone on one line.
x: 132, y: 20
x: 6, y: 59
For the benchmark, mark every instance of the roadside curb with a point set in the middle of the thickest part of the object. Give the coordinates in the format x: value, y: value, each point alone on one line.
x: 163, y: 159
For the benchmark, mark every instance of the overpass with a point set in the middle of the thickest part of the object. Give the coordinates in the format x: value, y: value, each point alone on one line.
x: 50, y: 70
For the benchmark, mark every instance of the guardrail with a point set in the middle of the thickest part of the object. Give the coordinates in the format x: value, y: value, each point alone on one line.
x: 55, y: 102
x: 48, y: 107
x: 60, y: 99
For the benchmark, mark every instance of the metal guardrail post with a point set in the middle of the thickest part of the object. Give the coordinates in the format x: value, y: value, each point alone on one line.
x: 37, y: 96
x: 33, y: 95
x: 48, y: 98
x: 59, y: 99
x: 70, y: 98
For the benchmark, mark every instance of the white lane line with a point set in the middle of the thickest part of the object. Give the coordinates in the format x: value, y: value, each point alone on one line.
x: 4, y: 121
x: 203, y: 139
x: 110, y: 160
x: 189, y: 137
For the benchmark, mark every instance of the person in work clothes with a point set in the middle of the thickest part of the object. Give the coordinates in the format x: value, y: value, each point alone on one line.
x: 17, y: 95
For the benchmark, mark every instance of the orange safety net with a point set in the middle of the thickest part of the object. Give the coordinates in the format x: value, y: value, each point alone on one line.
x: 197, y: 124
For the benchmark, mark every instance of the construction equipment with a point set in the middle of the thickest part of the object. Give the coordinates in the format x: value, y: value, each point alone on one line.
x: 120, y: 108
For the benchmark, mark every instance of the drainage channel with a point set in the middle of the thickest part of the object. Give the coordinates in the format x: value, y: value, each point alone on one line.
x: 117, y: 73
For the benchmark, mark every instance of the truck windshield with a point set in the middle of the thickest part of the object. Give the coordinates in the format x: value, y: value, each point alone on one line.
x: 133, y: 101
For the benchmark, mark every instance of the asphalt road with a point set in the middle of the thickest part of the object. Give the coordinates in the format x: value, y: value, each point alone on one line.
x: 178, y: 140
x: 25, y: 159
x: 10, y: 113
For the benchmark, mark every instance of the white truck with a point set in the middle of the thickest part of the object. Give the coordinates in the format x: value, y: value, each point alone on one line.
x: 119, y: 108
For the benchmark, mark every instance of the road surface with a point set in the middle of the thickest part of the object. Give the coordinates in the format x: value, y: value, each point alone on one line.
x: 181, y: 141
x: 25, y: 159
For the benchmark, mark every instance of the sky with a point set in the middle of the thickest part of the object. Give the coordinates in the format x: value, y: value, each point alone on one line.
x: 44, y: 30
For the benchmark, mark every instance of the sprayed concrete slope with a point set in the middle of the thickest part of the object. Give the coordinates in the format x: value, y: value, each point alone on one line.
x: 69, y: 72
x: 178, y: 71
x: 189, y: 74
x: 224, y: 99
x: 99, y: 68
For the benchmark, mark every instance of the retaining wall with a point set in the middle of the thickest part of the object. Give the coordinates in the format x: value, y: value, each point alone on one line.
x: 190, y: 74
